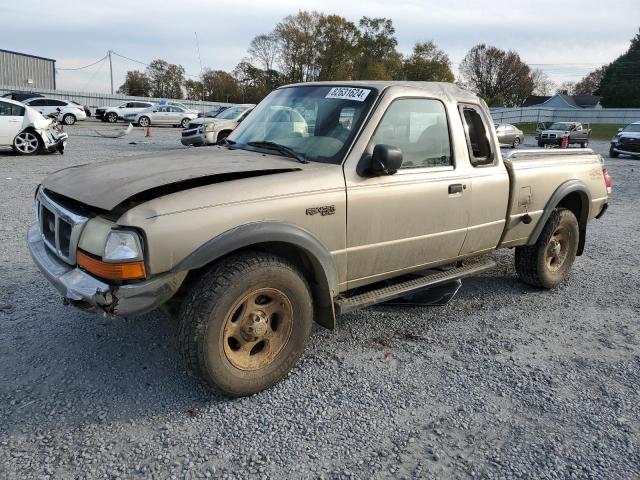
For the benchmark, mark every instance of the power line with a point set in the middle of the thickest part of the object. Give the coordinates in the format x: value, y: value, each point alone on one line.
x: 146, y: 64
x: 82, y: 68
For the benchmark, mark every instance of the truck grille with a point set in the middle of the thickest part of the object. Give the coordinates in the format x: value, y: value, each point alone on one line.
x: 60, y: 227
x: 629, y: 144
x: 548, y: 135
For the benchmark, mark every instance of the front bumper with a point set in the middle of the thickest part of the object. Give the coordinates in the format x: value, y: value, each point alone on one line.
x: 89, y: 293
x: 618, y: 148
x: 193, y: 137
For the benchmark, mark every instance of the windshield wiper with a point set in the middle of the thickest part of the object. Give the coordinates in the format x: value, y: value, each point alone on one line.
x: 280, y: 148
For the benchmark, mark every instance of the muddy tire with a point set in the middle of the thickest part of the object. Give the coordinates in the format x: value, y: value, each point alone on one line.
x: 548, y: 262
x: 245, y: 323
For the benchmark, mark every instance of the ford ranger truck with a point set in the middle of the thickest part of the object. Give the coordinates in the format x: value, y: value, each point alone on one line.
x: 392, y: 189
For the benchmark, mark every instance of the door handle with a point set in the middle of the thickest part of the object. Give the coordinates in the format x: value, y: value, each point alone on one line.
x: 456, y: 188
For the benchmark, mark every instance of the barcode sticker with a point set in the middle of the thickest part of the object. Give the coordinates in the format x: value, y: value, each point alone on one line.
x: 348, y: 93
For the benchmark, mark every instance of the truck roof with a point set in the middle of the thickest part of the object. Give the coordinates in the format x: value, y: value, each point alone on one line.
x: 431, y: 88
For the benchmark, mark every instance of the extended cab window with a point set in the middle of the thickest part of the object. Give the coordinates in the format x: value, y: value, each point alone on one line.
x: 419, y: 128
x: 480, y: 152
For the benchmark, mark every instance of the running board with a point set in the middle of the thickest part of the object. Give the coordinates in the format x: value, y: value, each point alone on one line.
x: 345, y: 304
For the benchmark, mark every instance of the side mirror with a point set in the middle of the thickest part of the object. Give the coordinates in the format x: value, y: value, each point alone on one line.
x: 619, y: 130
x: 154, y: 111
x: 386, y: 160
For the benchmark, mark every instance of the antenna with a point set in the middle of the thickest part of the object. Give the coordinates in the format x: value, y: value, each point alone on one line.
x: 200, y: 60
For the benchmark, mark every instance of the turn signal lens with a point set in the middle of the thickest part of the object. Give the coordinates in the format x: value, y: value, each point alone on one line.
x: 111, y: 271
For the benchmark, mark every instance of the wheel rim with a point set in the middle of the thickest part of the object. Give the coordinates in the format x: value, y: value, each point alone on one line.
x: 144, y: 121
x: 257, y: 328
x: 185, y: 122
x: 557, y: 249
x: 26, y: 142
x: 112, y: 118
x: 69, y: 120
x: 516, y: 142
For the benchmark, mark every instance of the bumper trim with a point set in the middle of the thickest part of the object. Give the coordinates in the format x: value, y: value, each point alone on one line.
x: 89, y: 293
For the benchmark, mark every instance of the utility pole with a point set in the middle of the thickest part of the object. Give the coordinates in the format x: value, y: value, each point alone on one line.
x: 110, y: 70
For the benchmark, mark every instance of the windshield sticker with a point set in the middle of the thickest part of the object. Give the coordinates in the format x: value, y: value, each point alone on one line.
x: 348, y: 93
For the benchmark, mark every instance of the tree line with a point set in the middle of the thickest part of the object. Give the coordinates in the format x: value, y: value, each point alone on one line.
x: 310, y: 46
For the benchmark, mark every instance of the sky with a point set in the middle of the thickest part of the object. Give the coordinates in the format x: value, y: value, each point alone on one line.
x: 567, y: 39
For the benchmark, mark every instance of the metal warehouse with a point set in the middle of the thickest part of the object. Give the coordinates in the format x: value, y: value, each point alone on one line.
x: 27, y: 71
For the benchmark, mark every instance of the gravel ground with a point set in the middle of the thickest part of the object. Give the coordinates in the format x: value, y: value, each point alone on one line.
x: 504, y: 382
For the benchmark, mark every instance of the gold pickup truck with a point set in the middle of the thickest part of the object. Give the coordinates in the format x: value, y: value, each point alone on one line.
x: 392, y: 189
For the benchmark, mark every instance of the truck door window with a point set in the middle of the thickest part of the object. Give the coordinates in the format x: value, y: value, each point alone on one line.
x: 477, y: 137
x: 419, y: 128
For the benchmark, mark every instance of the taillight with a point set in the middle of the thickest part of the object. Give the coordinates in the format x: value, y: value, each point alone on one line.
x: 607, y: 179
x: 81, y: 108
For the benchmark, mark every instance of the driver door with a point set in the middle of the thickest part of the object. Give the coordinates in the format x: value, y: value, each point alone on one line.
x: 417, y: 216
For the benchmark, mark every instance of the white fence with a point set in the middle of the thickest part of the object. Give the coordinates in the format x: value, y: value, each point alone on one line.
x: 621, y: 116
x: 105, y: 99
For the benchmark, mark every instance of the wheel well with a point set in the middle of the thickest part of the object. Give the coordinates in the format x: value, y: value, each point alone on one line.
x: 34, y: 131
x: 308, y: 266
x: 578, y: 203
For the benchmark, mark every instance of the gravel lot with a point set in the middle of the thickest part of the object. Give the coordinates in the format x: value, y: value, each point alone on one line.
x: 504, y: 382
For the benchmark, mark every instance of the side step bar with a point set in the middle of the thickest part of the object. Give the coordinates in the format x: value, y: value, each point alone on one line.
x: 348, y: 303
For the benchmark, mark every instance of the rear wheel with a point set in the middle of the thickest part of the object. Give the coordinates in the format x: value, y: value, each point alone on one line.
x: 222, y: 136
x: 548, y: 262
x: 26, y: 143
x: 516, y: 142
x: 69, y: 119
x: 244, y: 325
x: 144, y: 121
x: 112, y: 117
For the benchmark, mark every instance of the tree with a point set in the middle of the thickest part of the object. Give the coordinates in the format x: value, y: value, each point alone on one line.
x: 166, y: 79
x: 254, y: 83
x: 542, y: 84
x: 620, y: 85
x: 566, y: 88
x: 337, y: 48
x: 379, y: 59
x: 263, y: 50
x: 136, y: 84
x: 195, y: 89
x: 500, y: 78
x: 220, y: 86
x: 298, y: 48
x: 590, y: 84
x: 428, y: 63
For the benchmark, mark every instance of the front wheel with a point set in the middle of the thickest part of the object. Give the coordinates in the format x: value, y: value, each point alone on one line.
x: 516, y: 142
x: 112, y: 117
x: 185, y: 122
x: 613, y: 153
x: 244, y: 325
x: 548, y: 262
x: 26, y: 143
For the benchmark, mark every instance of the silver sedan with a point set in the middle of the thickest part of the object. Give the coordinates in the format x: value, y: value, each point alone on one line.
x: 162, y: 115
x: 509, y: 135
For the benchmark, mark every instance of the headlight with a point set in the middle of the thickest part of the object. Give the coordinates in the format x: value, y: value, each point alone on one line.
x: 122, y: 245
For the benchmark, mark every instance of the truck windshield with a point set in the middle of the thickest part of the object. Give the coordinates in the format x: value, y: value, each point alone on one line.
x: 316, y: 123
x: 561, y: 126
x: 634, y: 127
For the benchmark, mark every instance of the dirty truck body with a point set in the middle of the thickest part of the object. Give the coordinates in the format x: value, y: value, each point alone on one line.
x: 398, y: 186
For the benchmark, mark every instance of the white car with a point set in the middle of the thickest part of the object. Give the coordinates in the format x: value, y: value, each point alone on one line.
x: 70, y: 111
x: 211, y: 131
x: 162, y: 115
x: 27, y: 131
x: 113, y: 114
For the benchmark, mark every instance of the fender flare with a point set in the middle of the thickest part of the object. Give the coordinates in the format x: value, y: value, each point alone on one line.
x: 325, y: 272
x: 566, y: 188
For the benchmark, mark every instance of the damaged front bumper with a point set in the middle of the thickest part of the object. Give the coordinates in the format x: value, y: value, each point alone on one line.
x: 89, y: 293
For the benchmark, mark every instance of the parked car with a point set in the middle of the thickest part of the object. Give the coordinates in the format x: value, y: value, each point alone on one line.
x: 113, y: 114
x: 577, y: 134
x: 509, y: 135
x: 213, y: 112
x: 21, y: 96
x: 253, y: 242
x: 540, y: 127
x: 69, y: 111
x: 211, y: 131
x: 626, y: 141
x: 27, y: 131
x: 162, y: 115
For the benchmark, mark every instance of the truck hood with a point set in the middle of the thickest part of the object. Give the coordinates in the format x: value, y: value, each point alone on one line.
x: 628, y: 135
x: 209, y: 121
x: 106, y: 185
